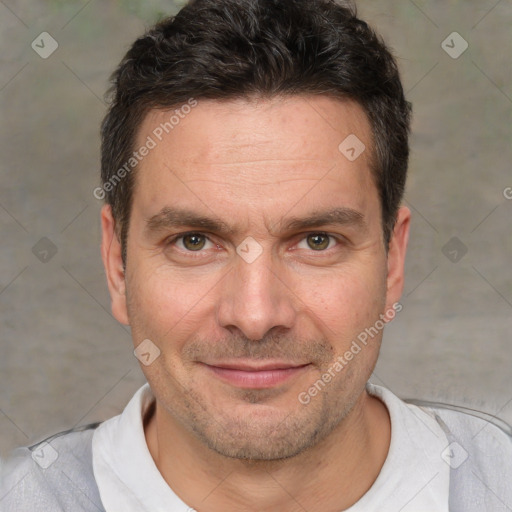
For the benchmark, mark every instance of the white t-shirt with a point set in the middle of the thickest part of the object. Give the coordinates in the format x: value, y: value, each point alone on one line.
x: 414, y: 477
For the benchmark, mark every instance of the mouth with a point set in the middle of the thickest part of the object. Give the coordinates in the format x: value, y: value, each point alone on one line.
x: 255, y: 375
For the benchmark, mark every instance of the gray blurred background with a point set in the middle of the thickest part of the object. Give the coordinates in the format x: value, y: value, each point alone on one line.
x: 65, y: 361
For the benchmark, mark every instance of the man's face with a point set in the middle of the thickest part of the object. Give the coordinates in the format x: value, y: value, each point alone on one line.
x: 250, y: 308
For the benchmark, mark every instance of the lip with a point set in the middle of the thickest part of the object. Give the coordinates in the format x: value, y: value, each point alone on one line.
x: 255, y: 375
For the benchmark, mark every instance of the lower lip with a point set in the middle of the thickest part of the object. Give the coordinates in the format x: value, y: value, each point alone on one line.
x: 256, y: 379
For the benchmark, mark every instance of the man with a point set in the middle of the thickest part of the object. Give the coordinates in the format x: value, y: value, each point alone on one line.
x: 253, y: 162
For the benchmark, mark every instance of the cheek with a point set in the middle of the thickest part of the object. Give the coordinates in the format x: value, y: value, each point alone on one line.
x: 345, y: 301
x: 164, y: 303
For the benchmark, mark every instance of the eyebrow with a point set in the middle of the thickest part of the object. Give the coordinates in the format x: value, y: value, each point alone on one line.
x: 340, y: 216
x: 169, y: 217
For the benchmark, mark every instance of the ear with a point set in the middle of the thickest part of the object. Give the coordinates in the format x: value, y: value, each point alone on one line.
x: 113, y: 263
x: 396, y: 256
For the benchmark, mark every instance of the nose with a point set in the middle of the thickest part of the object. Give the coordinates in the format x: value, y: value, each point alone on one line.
x: 256, y: 298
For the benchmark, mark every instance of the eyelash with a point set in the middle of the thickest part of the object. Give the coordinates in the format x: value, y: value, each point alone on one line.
x: 175, y: 238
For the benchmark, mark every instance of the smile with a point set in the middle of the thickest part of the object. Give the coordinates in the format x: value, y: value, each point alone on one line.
x: 254, y: 376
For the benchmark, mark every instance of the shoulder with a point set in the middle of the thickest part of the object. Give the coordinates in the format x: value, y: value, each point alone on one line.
x: 53, y: 475
x: 479, y: 453
x: 478, y: 431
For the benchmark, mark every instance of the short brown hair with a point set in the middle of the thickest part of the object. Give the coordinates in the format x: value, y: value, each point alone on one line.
x: 222, y: 49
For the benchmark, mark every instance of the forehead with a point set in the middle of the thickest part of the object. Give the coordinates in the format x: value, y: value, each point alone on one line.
x: 311, y: 125
x: 255, y: 153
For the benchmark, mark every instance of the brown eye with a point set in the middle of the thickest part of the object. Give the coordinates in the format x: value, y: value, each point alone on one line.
x: 318, y: 241
x: 194, y: 241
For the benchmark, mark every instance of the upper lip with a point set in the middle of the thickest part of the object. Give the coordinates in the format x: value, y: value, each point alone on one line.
x: 256, y: 366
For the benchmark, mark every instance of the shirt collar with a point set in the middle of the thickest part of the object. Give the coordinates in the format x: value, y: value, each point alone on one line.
x: 414, y: 477
x: 125, y: 472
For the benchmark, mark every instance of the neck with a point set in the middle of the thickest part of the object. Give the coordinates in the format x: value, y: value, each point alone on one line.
x: 333, y: 475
